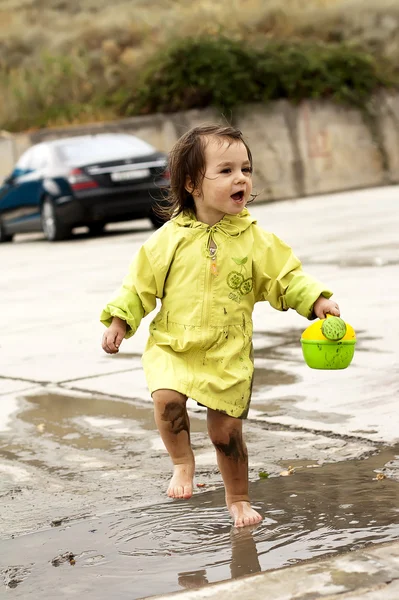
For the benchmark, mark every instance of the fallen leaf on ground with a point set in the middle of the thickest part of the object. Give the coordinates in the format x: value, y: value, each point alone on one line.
x: 380, y: 476
x: 263, y: 474
x: 290, y: 471
x: 61, y: 558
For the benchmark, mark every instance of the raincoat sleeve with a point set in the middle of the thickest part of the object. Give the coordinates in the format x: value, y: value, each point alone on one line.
x: 139, y: 291
x: 281, y: 281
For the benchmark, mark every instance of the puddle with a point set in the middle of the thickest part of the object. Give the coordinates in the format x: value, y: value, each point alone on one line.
x: 273, y: 345
x: 65, y: 454
x: 287, y: 406
x: 82, y: 422
x: 264, y: 378
x: 127, y: 356
x: 175, y: 545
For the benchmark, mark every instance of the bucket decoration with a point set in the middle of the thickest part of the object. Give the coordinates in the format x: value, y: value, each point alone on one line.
x: 328, y: 344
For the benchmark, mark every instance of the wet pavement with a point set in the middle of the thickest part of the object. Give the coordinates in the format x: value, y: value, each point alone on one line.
x: 312, y: 513
x: 82, y: 470
x: 68, y: 455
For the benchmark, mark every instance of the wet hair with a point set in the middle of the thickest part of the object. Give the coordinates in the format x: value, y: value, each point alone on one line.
x: 187, y: 161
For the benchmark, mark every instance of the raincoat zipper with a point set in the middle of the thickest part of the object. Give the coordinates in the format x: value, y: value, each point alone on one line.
x: 208, y: 283
x: 207, y: 295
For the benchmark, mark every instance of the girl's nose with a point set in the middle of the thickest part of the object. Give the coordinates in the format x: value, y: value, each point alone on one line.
x: 240, y: 177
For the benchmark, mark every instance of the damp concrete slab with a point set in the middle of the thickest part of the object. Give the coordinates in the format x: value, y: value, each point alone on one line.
x: 13, y: 386
x: 129, y: 383
x: 66, y: 352
x: 370, y: 574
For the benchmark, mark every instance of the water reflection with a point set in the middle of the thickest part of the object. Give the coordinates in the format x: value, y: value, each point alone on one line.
x: 244, y: 555
x: 244, y: 560
x: 192, y: 579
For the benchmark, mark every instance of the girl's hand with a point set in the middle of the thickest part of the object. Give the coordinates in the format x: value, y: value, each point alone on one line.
x: 113, y: 336
x: 324, y: 306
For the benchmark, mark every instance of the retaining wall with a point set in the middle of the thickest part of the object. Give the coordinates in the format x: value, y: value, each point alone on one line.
x: 311, y: 148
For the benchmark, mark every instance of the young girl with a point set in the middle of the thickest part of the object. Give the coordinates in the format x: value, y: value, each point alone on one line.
x: 209, y: 265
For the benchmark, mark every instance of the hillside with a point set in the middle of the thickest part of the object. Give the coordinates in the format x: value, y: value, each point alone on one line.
x: 95, y: 43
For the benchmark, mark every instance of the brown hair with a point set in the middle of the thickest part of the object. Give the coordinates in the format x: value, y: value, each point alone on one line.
x: 187, y: 160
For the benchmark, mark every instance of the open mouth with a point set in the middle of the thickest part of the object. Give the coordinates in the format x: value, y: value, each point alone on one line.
x: 238, y: 196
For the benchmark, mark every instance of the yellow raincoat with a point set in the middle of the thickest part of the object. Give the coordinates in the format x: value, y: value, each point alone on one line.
x: 200, y: 341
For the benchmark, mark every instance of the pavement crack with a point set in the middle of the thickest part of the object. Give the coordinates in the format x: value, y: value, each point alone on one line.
x: 329, y: 434
x: 96, y: 393
x: 63, y: 381
x: 24, y: 380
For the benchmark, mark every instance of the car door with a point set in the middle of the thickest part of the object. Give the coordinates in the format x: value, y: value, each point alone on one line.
x: 20, y: 196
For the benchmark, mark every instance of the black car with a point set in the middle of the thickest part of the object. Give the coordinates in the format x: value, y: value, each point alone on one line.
x: 85, y: 180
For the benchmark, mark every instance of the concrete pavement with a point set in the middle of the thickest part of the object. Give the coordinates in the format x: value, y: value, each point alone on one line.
x: 50, y: 344
x: 350, y: 241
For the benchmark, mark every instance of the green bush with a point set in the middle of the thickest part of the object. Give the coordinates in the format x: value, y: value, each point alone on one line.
x: 225, y: 73
x: 54, y: 90
x: 193, y: 73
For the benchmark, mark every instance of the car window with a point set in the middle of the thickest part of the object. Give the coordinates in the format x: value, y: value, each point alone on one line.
x: 24, y: 161
x: 92, y: 150
x: 34, y: 159
x: 40, y: 157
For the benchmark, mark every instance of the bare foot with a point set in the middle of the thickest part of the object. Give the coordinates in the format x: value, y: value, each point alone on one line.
x: 181, y: 484
x: 243, y: 514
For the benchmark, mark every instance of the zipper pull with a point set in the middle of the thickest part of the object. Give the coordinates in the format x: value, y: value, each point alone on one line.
x: 214, y: 269
x: 212, y: 252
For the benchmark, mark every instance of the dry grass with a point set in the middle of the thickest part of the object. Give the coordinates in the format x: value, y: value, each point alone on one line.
x: 108, y: 30
x: 109, y: 42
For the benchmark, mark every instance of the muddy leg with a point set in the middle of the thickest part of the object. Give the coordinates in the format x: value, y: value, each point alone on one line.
x: 231, y: 451
x: 174, y: 426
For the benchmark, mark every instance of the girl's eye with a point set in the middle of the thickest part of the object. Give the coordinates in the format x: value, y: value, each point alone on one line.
x: 244, y: 170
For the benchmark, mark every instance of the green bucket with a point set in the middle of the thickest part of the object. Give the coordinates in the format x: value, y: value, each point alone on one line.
x: 325, y: 354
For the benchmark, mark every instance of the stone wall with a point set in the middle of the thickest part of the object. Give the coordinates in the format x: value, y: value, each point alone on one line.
x: 299, y: 150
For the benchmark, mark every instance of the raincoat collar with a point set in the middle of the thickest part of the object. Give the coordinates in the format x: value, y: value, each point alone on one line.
x: 231, y: 226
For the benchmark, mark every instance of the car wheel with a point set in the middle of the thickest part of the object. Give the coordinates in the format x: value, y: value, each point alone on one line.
x: 4, y: 237
x: 53, y: 229
x: 96, y: 228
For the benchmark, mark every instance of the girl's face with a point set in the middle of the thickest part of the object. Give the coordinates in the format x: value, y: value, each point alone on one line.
x: 227, y: 183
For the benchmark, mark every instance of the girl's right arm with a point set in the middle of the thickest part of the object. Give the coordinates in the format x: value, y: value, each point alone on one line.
x: 114, y: 335
x: 136, y: 297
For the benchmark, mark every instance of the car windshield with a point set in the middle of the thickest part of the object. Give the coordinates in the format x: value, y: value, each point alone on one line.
x: 93, y: 150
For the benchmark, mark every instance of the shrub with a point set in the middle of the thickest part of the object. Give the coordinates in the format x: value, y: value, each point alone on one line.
x: 225, y: 73
x: 58, y: 91
x: 193, y: 73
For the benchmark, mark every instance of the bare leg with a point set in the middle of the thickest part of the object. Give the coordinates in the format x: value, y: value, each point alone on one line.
x: 174, y: 426
x: 231, y: 451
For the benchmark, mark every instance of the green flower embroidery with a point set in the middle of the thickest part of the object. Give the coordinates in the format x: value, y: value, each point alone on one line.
x: 234, y: 280
x: 238, y: 281
x: 246, y: 286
